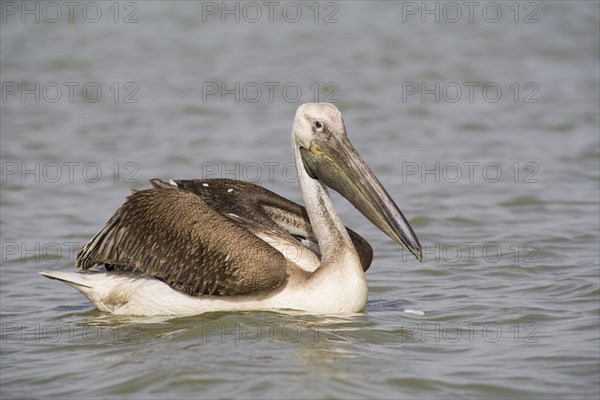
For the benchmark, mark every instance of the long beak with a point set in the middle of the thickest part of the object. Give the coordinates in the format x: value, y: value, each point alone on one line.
x: 338, y: 165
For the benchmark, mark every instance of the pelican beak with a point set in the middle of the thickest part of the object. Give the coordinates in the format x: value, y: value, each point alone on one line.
x: 333, y: 160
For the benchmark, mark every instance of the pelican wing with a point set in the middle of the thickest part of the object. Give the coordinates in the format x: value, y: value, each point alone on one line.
x: 263, y: 212
x: 175, y: 236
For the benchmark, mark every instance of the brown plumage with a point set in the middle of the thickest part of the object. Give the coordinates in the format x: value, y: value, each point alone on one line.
x: 197, y: 237
x: 254, y: 205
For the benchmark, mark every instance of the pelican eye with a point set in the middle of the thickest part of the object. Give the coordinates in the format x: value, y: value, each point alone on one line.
x: 319, y: 126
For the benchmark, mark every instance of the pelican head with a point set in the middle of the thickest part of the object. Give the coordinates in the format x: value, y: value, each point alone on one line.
x: 330, y: 158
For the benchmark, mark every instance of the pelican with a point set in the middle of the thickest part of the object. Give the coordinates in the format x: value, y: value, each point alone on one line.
x: 187, y: 247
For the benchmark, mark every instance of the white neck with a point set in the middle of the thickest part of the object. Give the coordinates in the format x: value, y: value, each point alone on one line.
x: 331, y: 233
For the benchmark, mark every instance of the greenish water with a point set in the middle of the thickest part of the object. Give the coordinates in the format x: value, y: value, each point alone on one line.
x: 485, y: 131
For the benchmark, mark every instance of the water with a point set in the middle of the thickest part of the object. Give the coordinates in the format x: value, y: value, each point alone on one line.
x: 502, y: 189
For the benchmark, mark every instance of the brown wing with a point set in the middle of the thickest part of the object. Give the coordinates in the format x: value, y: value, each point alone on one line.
x: 173, y: 235
x: 261, y: 207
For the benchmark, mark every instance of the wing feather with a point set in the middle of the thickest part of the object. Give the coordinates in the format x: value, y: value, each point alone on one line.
x: 173, y: 235
x: 263, y: 209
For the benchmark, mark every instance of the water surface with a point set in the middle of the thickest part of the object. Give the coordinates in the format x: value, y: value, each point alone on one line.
x: 501, y: 185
